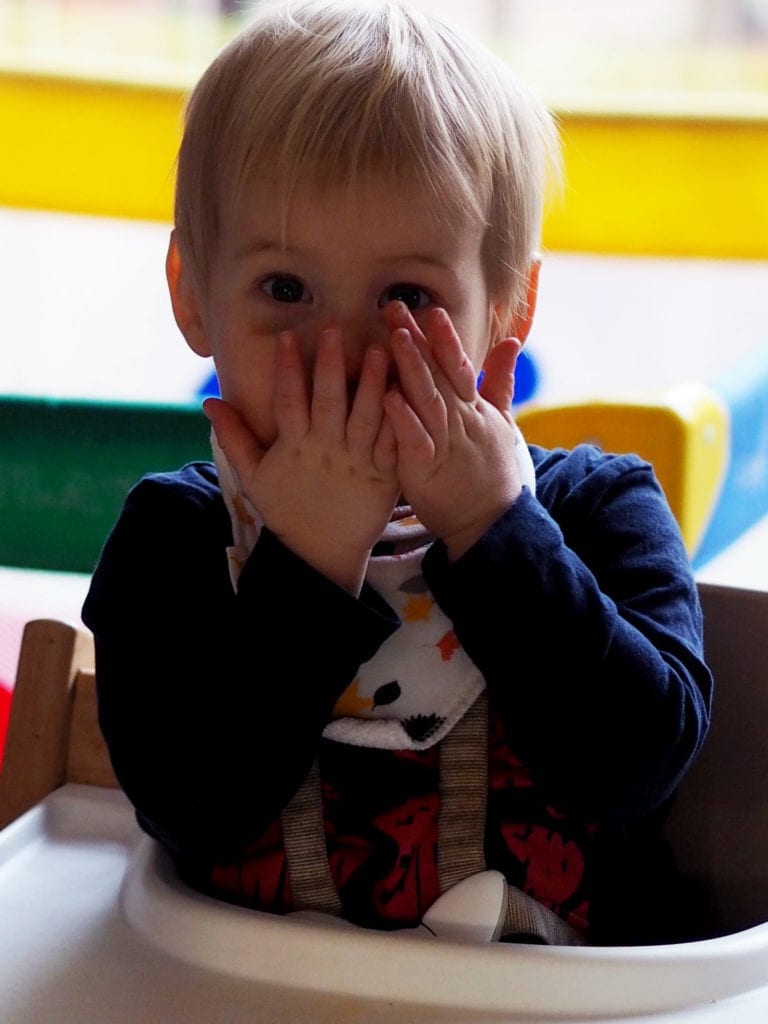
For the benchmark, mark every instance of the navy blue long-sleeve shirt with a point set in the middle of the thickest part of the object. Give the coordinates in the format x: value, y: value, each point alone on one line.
x: 577, y: 605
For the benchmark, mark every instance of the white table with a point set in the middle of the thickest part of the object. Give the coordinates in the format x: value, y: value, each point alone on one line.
x: 27, y: 594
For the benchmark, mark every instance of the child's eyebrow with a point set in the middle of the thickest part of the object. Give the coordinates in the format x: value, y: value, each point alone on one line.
x: 414, y: 257
x: 258, y: 246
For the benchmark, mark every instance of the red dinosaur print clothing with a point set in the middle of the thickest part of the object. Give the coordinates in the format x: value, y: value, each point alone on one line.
x: 381, y: 822
x: 539, y: 850
x: 260, y: 879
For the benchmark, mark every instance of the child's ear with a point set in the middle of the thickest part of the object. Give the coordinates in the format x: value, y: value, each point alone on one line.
x: 185, y: 299
x: 521, y: 322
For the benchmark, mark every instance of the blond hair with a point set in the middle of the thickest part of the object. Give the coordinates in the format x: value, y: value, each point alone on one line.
x: 327, y: 92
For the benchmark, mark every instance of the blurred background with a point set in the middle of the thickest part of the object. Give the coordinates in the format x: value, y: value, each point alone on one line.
x: 663, y: 107
x: 655, y: 255
x: 589, y: 50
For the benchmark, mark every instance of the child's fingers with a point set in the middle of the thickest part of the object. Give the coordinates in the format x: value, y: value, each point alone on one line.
x: 440, y: 347
x: 329, y: 387
x: 367, y: 412
x: 241, y: 448
x: 398, y: 316
x: 290, y: 392
x: 498, y: 386
x: 408, y: 430
x: 450, y: 356
x: 419, y: 386
x: 385, y: 448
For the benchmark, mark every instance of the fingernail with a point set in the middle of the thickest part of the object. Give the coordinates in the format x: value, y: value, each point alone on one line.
x: 400, y: 311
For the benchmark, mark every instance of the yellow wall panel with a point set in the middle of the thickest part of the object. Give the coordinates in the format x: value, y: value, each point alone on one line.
x: 658, y: 185
x: 88, y: 147
x: 673, y: 186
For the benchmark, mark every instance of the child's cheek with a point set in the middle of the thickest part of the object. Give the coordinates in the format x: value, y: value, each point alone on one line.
x: 247, y: 385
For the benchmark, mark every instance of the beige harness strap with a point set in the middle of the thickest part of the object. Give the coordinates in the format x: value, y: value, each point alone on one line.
x: 461, y: 834
x: 526, y: 917
x: 461, y: 829
x: 463, y: 797
x: 306, y: 854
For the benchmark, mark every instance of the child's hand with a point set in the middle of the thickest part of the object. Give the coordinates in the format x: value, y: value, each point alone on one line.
x: 326, y: 486
x: 456, y: 446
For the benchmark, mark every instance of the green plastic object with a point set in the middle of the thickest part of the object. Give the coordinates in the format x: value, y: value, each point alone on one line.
x: 66, y: 467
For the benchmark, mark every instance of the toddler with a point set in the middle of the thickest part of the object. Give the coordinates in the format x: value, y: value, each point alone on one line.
x: 381, y: 645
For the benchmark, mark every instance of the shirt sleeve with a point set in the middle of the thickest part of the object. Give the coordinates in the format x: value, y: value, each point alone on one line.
x: 581, y: 611
x: 213, y: 703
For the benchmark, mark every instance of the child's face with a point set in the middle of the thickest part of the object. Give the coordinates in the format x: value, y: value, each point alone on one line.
x: 341, y: 260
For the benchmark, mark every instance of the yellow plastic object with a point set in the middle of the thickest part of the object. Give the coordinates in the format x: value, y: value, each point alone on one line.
x: 93, y: 147
x: 684, y: 434
x: 673, y: 185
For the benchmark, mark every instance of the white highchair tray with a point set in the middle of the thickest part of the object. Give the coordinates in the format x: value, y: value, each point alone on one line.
x: 556, y: 983
x: 95, y: 927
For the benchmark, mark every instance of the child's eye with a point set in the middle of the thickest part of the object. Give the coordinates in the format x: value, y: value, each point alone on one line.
x: 285, y: 288
x: 410, y: 294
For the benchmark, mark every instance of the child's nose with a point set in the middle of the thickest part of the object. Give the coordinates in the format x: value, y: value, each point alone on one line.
x: 358, y: 334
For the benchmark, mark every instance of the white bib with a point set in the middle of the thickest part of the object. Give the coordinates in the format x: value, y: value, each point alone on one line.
x: 420, y: 682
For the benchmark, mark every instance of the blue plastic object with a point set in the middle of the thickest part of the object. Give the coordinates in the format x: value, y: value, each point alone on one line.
x: 209, y: 388
x: 744, y: 496
x: 526, y: 378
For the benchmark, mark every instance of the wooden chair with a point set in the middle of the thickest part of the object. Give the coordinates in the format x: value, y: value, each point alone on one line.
x: 53, y: 734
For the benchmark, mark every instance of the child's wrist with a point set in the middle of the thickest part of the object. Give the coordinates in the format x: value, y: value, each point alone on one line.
x: 458, y: 542
x: 344, y: 568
